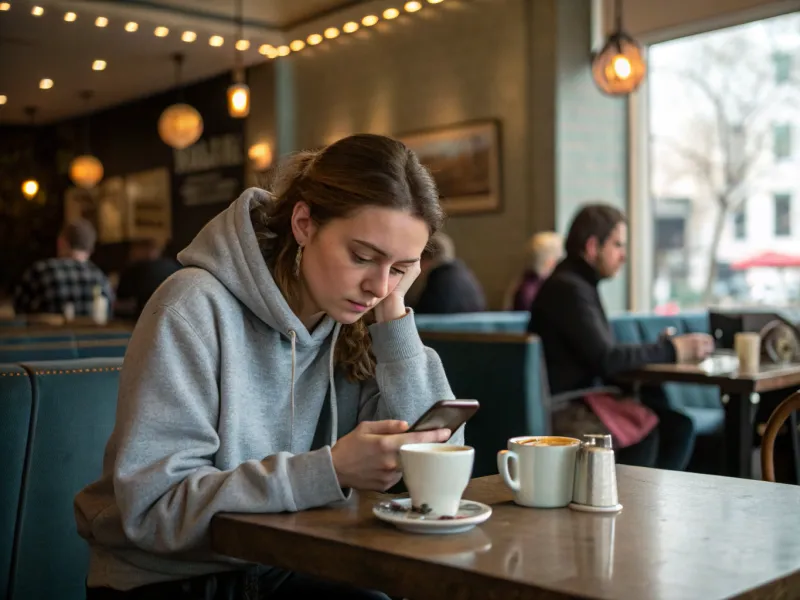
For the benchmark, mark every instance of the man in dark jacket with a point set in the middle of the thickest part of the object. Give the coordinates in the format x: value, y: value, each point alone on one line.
x: 579, y: 347
x: 449, y: 284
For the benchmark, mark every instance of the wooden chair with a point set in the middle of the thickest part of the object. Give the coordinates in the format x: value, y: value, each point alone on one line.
x: 785, y: 410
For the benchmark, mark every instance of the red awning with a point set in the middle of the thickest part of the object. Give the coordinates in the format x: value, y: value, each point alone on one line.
x: 767, y: 259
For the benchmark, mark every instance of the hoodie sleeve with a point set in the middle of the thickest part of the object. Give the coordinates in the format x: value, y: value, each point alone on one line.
x: 409, y: 377
x: 165, y: 482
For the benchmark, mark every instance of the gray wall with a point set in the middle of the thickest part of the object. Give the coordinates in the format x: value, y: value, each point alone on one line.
x: 523, y: 62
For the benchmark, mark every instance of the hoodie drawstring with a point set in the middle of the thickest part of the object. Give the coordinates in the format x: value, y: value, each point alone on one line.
x: 332, y: 387
x: 293, y: 335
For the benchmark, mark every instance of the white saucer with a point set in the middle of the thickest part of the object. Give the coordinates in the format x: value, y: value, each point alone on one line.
x: 469, y: 515
x: 595, y: 509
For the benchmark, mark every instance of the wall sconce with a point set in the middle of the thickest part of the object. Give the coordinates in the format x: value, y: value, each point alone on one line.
x: 260, y: 155
x: 30, y: 188
x: 619, y: 68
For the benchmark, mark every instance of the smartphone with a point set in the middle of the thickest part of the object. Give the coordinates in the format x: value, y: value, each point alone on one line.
x: 446, y: 414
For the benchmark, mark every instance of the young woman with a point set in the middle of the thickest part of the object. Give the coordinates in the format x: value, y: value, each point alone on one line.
x: 253, y: 384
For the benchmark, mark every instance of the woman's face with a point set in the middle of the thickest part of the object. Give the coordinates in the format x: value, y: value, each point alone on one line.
x: 351, y: 264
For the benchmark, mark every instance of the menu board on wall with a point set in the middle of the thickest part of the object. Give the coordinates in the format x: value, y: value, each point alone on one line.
x: 210, y: 171
x: 149, y: 204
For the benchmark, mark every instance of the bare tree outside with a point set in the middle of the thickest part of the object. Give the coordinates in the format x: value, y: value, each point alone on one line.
x: 717, y: 101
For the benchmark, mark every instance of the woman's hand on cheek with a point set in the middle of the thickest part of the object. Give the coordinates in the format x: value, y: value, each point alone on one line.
x: 394, y: 305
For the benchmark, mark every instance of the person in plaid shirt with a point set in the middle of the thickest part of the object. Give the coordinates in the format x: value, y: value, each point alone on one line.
x: 47, y: 285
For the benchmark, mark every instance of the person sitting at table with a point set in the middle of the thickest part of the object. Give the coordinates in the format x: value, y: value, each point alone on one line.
x: 581, y: 353
x: 275, y: 372
x: 147, y: 269
x: 47, y: 286
x: 544, y: 251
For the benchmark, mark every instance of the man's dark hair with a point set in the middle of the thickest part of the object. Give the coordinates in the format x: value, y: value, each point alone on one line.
x: 80, y: 235
x: 593, y: 220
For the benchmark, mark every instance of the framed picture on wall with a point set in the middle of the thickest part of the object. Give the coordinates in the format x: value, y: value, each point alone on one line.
x: 465, y: 161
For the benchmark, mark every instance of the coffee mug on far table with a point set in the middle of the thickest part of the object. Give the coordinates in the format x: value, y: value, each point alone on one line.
x: 436, y: 475
x: 543, y: 472
x: 748, y: 351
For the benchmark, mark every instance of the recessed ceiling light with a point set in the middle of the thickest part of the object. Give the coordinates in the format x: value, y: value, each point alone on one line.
x: 331, y: 32
x: 297, y: 45
x: 70, y: 17
x: 350, y: 27
x: 242, y: 45
x: 5, y: 6
x: 131, y: 26
x: 283, y: 50
x: 216, y: 41
x: 37, y: 11
x: 391, y: 13
x: 369, y: 20
x: 314, y: 39
x: 99, y: 65
x: 161, y: 32
x: 412, y: 6
x: 101, y: 21
x: 45, y: 84
x: 3, y: 99
x: 188, y: 36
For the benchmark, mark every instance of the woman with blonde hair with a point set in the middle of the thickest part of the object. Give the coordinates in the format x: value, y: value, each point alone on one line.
x: 544, y: 250
x: 253, y: 383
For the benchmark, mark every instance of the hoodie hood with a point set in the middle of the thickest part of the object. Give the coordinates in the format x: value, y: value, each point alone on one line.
x: 228, y: 249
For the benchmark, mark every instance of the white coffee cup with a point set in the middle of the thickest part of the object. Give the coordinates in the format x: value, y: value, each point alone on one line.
x: 436, y: 475
x: 748, y: 351
x: 544, y: 470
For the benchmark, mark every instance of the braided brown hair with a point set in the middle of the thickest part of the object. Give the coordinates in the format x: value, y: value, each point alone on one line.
x: 350, y: 174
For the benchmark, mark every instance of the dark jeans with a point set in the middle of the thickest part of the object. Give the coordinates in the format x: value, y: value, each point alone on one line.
x: 273, y: 584
x: 669, y: 446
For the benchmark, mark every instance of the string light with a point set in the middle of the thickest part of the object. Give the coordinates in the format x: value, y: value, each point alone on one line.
x: 242, y: 45
x: 331, y: 33
x: 70, y: 17
x: 188, y: 36
x: 283, y: 50
x: 314, y: 39
x: 161, y: 32
x: 369, y: 20
x: 101, y: 21
x: 4, y: 6
x: 350, y: 27
x: 45, y: 84
x: 37, y: 11
x: 3, y: 99
x: 297, y: 45
x: 391, y: 13
x: 412, y: 6
x: 216, y: 41
x: 99, y: 65
x: 131, y: 26
x: 268, y: 51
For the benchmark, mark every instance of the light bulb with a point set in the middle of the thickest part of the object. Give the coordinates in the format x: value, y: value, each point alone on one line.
x: 188, y: 36
x: 37, y: 11
x: 314, y: 39
x: 70, y: 17
x: 331, y: 32
x: 131, y: 26
x: 283, y: 50
x: 216, y: 41
x: 99, y: 65
x: 391, y: 13
x: 238, y: 100
x: 297, y: 45
x: 350, y: 27
x: 45, y: 84
x: 268, y: 51
x: 161, y: 31
x: 30, y: 188
x: 242, y: 45
x: 101, y: 21
x: 412, y: 6
x: 369, y: 20
x: 622, y: 67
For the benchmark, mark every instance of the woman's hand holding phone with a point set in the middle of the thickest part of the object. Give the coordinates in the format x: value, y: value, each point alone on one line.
x: 368, y: 458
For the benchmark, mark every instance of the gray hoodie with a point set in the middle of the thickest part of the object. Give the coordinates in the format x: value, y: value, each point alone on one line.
x: 228, y: 403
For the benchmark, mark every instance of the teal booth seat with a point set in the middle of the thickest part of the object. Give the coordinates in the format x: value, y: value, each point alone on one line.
x: 74, y: 406
x: 14, y: 322
x: 701, y: 403
x: 479, y: 322
x: 39, y: 351
x: 16, y: 403
x: 502, y: 372
x: 105, y: 348
x: 20, y: 340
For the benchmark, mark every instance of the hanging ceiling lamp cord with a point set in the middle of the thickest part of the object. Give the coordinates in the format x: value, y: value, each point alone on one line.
x: 238, y: 72
x: 178, y: 59
x: 618, y: 19
x: 86, y: 96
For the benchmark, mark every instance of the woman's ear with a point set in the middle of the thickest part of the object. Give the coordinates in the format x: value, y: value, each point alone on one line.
x: 303, y: 226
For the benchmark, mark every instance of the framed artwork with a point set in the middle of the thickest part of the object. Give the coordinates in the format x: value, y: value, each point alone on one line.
x: 464, y: 159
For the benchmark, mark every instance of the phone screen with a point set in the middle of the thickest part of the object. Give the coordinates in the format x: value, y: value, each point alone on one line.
x: 446, y: 414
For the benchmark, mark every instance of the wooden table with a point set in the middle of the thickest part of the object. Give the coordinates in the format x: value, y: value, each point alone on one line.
x: 679, y: 536
x: 739, y: 396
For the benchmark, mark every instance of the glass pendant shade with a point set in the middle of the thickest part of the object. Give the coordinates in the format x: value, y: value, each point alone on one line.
x: 180, y: 126
x: 238, y: 100
x: 619, y: 68
x: 86, y: 171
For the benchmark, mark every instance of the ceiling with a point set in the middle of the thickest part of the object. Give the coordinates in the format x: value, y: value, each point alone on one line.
x: 138, y: 64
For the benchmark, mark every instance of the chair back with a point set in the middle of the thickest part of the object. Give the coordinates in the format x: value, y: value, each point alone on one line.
x: 784, y: 411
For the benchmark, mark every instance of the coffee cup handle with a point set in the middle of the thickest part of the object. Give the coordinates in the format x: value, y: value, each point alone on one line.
x: 503, y: 458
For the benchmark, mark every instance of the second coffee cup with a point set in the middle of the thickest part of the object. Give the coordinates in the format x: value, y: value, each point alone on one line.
x: 543, y: 470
